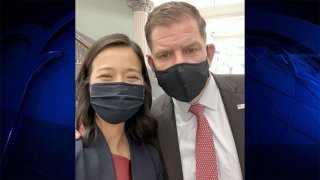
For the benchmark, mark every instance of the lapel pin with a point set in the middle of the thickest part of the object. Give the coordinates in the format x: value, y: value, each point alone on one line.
x: 240, y: 106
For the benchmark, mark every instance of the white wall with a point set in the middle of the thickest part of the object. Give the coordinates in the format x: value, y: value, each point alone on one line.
x: 97, y: 18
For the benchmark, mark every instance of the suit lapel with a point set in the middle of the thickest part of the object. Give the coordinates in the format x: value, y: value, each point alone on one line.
x: 101, y: 165
x: 232, y: 94
x: 141, y: 165
x: 168, y: 138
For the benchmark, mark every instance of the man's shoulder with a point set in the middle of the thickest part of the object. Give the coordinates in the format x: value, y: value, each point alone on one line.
x: 233, y: 83
x: 229, y: 77
x: 163, y: 101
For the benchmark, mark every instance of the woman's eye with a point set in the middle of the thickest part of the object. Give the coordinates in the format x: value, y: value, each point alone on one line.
x: 105, y: 76
x: 133, y: 77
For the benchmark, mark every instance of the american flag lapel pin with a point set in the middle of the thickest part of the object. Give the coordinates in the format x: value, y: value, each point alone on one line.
x: 240, y: 106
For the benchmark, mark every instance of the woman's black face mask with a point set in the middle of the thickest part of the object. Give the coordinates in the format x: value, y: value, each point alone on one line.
x: 116, y: 102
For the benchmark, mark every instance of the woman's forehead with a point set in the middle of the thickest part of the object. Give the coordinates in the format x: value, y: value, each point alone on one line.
x: 117, y: 58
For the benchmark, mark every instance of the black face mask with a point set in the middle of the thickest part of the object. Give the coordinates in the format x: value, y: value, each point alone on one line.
x: 116, y: 102
x: 184, y: 81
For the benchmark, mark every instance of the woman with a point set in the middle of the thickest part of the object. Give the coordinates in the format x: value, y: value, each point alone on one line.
x: 113, y: 104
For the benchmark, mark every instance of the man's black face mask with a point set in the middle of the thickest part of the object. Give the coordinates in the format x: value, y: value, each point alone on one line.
x: 184, y: 81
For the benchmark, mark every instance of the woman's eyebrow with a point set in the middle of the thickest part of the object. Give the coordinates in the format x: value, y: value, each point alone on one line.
x: 105, y: 68
x: 133, y: 70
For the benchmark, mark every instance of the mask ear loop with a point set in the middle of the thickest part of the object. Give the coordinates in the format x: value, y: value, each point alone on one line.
x: 207, y: 58
x: 207, y: 51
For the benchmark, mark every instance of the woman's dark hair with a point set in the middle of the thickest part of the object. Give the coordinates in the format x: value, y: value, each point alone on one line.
x: 141, y: 126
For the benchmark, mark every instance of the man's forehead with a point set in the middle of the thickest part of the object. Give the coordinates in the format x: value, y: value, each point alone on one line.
x: 181, y: 33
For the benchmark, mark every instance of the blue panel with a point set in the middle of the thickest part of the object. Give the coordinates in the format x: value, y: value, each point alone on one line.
x: 282, y: 89
x: 37, y: 90
x: 270, y: 128
x: 253, y: 90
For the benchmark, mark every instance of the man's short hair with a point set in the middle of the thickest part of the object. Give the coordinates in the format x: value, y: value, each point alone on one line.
x: 169, y: 13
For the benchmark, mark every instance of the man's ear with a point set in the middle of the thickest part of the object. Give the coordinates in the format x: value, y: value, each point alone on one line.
x: 211, y: 50
x: 150, y: 62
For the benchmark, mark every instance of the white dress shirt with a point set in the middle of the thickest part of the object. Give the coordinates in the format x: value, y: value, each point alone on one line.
x: 225, y: 148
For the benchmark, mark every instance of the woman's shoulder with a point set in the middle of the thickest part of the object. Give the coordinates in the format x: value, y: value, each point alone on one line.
x: 145, y: 150
x: 150, y: 155
x: 144, y: 147
x: 79, y: 147
x: 155, y: 155
x: 151, y: 150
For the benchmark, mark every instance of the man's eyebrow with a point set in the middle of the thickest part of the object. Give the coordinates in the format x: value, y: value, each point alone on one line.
x: 194, y: 43
x: 162, y: 52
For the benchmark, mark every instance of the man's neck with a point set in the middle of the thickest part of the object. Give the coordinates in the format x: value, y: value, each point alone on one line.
x: 197, y: 98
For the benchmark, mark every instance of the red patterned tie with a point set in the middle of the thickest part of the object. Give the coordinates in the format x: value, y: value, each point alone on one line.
x: 206, y: 164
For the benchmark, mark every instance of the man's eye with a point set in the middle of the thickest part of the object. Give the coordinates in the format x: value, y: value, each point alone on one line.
x: 166, y: 55
x: 191, y: 50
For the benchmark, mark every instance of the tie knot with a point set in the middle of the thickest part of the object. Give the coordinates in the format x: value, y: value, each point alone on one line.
x: 197, y: 110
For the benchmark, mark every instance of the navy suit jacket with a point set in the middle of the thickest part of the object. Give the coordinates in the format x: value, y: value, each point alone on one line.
x: 95, y: 162
x: 231, y: 88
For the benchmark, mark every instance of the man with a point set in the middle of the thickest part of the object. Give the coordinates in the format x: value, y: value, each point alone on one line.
x: 205, y: 145
x: 180, y: 58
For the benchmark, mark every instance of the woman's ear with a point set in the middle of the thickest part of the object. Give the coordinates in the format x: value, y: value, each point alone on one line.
x: 87, y: 82
x: 145, y: 86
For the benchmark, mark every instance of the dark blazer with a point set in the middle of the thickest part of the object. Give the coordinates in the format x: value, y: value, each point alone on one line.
x: 95, y: 162
x: 232, y: 92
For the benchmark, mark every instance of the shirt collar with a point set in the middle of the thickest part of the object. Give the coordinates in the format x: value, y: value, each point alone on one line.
x: 209, y: 99
x: 210, y: 95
